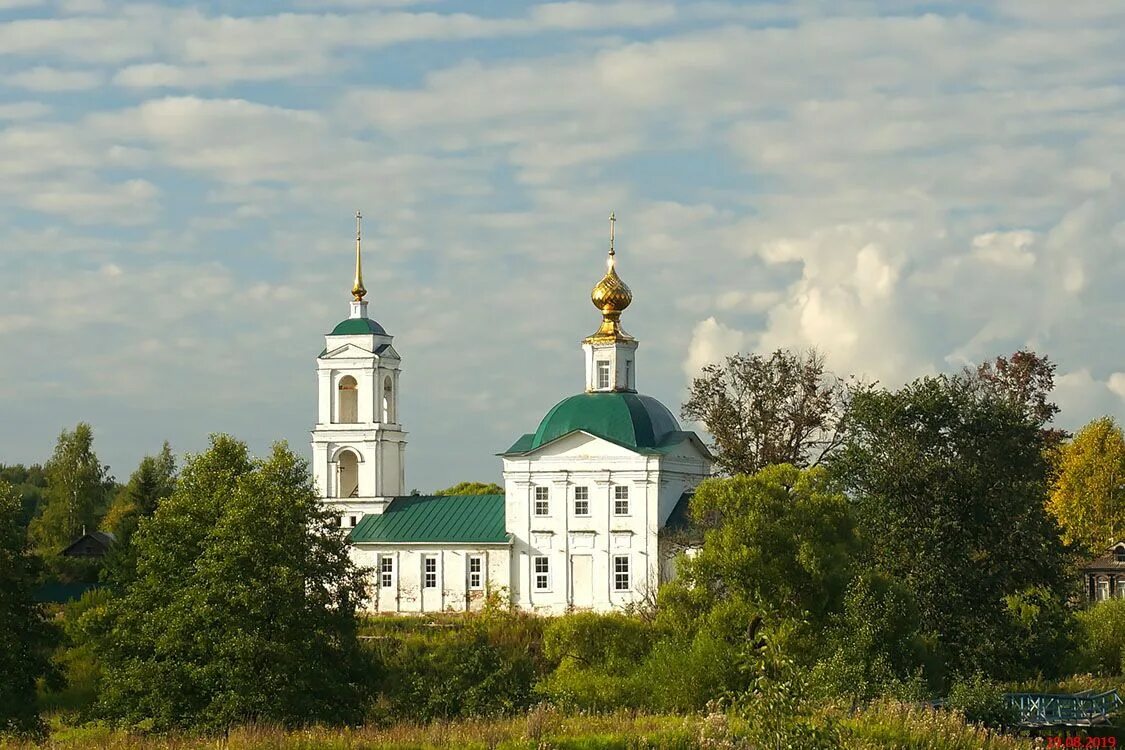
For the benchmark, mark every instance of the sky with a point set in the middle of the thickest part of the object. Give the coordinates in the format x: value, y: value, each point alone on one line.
x: 909, y: 187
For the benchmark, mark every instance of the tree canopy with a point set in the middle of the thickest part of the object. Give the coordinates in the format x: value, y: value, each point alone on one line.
x: 243, y: 605
x: 472, y: 488
x: 948, y: 483
x: 762, y: 411
x: 153, y: 481
x: 780, y: 540
x: 77, y: 492
x: 1088, y: 486
x: 24, y: 634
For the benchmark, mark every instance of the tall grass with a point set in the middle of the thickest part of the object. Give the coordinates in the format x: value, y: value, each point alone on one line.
x: 907, y: 727
x: 882, y: 726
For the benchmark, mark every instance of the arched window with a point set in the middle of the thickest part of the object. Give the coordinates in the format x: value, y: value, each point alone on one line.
x: 347, y: 474
x: 388, y: 401
x: 348, y: 400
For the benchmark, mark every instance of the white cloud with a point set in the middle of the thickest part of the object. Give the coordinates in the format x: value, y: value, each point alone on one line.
x: 23, y: 111
x: 711, y: 342
x: 54, y: 79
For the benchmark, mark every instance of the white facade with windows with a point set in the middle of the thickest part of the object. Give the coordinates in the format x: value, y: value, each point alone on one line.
x: 586, y: 496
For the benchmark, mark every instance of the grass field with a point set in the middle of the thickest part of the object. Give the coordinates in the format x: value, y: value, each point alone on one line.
x: 883, y: 726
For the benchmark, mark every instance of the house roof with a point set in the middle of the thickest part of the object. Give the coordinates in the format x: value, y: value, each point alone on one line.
x: 462, y: 519
x: 1108, y: 562
x: 353, y: 326
x: 101, y: 540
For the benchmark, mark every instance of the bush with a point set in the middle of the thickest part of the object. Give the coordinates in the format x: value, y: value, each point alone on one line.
x: 1102, y: 637
x: 479, y: 666
x: 597, y: 657
x: 877, y: 647
x: 982, y: 702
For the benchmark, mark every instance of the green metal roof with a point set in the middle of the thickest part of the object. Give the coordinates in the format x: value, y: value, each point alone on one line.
x: 57, y: 592
x: 625, y: 418
x: 436, y: 518
x: 353, y: 326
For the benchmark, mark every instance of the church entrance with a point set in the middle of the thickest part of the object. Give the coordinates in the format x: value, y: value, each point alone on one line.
x: 582, y: 581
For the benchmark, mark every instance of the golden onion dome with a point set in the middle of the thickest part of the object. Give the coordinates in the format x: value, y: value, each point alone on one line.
x: 611, y: 296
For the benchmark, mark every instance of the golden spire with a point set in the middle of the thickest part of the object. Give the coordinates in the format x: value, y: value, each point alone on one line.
x: 611, y: 296
x: 358, y: 290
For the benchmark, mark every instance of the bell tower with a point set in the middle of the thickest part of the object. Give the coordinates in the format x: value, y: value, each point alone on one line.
x: 610, y: 353
x: 358, y: 444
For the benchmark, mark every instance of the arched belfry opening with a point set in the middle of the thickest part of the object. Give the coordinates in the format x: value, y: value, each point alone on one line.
x: 348, y: 400
x: 347, y: 471
x: 388, y: 401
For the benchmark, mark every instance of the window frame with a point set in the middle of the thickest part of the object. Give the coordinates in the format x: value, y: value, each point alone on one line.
x: 544, y: 501
x: 622, y: 579
x: 479, y: 573
x: 426, y: 573
x: 603, y: 367
x: 541, y: 579
x: 585, y: 500
x: 621, y: 500
x: 386, y: 571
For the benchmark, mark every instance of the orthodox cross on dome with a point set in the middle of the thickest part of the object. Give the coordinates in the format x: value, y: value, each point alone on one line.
x: 358, y: 290
x: 612, y: 222
x: 611, y: 296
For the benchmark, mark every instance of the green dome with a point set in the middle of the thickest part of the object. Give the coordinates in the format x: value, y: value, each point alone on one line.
x: 626, y: 418
x: 354, y: 326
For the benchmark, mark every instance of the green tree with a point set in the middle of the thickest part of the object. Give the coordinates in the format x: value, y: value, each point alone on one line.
x: 152, y: 482
x: 78, y: 488
x: 878, y: 644
x: 1088, y: 486
x: 762, y: 411
x: 24, y: 634
x: 948, y: 483
x: 29, y: 482
x: 243, y: 606
x: 780, y: 540
x: 472, y: 488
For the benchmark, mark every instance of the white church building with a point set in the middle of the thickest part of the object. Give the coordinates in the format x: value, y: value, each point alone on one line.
x: 592, y: 497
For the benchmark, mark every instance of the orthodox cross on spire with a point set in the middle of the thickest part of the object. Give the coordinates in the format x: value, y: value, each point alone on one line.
x: 612, y: 222
x: 358, y: 290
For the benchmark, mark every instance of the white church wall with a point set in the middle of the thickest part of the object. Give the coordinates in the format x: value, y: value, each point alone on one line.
x: 451, y: 591
x: 581, y: 551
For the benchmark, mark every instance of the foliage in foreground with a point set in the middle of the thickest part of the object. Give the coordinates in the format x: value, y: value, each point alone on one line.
x: 882, y: 726
x: 24, y: 635
x: 1102, y: 648
x: 948, y: 481
x: 242, y: 608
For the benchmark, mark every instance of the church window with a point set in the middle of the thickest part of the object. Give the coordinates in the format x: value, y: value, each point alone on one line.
x: 603, y: 373
x: 628, y: 373
x: 347, y: 474
x: 352, y: 521
x: 348, y: 400
x: 429, y: 571
x: 388, y: 401
x: 542, y: 573
x: 581, y: 501
x: 542, y: 501
x: 620, y: 501
x: 476, y: 573
x: 621, y: 573
x: 386, y: 571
